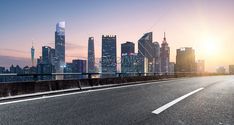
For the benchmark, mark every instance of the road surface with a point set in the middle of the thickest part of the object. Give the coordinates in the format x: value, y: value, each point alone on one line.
x: 185, y: 101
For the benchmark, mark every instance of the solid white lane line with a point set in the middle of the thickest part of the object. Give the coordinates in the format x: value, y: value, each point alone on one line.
x: 164, y: 107
x: 73, y: 93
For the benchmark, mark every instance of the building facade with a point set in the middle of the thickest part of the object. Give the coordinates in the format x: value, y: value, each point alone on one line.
x: 91, y: 56
x: 185, y: 60
x: 200, y: 66
x: 165, y: 56
x: 171, y: 68
x: 231, y: 69
x: 79, y: 66
x: 46, y: 55
x: 60, y: 47
x: 145, y: 52
x: 128, y: 57
x: 109, y: 61
x: 221, y: 70
x: 156, y: 59
x: 128, y: 47
x: 32, y: 56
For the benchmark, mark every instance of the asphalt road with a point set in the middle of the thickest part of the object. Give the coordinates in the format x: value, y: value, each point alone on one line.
x: 133, y: 105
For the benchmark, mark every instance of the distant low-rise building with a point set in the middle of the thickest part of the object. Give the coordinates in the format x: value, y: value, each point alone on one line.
x: 2, y: 69
x: 171, y: 68
x: 221, y: 70
x: 79, y: 66
x: 68, y: 69
x: 44, y: 70
x: 200, y: 66
x: 231, y: 69
x: 16, y: 69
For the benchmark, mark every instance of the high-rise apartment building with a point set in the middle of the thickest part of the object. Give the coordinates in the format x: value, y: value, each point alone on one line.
x: 91, y: 55
x: 60, y: 47
x: 128, y: 47
x: 128, y: 58
x: 185, y: 60
x: 156, y: 58
x: 109, y: 54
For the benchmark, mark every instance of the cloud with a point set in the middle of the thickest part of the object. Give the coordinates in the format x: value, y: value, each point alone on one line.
x: 72, y: 46
x: 69, y: 45
x: 13, y: 50
x: 7, y: 61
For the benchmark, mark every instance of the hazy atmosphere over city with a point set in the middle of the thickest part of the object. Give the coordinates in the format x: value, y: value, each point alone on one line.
x: 116, y: 62
x: 205, y: 25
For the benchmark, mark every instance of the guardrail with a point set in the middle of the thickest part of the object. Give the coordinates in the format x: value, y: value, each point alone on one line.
x: 14, y: 77
x: 35, y: 84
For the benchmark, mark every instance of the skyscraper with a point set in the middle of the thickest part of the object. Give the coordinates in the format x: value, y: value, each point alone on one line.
x: 185, y: 60
x: 128, y: 47
x: 32, y: 56
x: 165, y: 55
x: 109, y: 54
x: 44, y: 65
x: 53, y: 57
x: 128, y: 58
x: 60, y: 47
x: 46, y: 55
x: 156, y: 59
x: 91, y: 55
x: 145, y: 52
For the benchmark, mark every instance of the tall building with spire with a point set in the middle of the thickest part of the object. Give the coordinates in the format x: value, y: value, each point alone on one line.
x: 91, y: 55
x: 60, y: 47
x: 165, y: 56
x: 32, y: 56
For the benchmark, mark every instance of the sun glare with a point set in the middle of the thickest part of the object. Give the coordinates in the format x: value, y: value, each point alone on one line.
x: 210, y: 46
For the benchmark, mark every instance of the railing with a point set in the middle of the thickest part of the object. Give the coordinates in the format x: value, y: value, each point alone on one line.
x: 17, y: 84
x: 14, y: 77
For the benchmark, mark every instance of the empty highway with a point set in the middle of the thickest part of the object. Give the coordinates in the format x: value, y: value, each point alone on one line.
x: 183, y: 101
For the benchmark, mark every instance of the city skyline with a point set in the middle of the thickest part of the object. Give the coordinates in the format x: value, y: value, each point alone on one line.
x: 199, y: 27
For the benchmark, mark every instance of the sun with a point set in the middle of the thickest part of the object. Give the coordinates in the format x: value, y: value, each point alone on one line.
x: 210, y: 46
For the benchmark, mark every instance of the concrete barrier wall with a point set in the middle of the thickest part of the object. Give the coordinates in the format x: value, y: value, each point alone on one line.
x: 18, y: 88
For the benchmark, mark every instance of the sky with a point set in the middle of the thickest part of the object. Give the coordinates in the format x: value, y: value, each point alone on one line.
x: 205, y: 25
